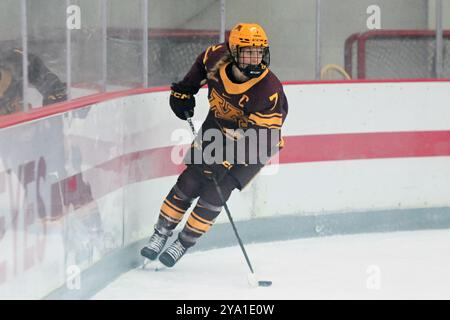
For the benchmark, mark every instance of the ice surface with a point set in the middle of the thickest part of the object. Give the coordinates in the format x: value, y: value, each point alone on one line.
x: 400, y: 265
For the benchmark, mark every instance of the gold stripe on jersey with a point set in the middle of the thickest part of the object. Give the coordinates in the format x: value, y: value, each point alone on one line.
x: 211, y: 48
x: 272, y: 121
x: 205, y: 57
x: 214, y: 48
x: 270, y: 115
x: 238, y: 88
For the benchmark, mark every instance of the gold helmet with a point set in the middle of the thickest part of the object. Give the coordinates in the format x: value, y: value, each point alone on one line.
x: 249, y: 35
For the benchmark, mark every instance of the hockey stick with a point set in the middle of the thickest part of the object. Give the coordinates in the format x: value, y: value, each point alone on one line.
x: 252, y: 279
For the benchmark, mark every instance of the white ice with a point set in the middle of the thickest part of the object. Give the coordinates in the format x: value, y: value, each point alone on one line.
x: 399, y: 265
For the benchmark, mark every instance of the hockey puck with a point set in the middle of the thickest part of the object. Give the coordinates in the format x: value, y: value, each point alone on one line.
x: 254, y: 282
x: 265, y: 283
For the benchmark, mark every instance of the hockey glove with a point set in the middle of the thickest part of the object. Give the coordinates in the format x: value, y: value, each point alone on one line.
x: 181, y: 102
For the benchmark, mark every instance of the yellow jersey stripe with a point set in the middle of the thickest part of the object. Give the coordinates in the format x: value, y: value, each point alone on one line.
x: 271, y: 115
x: 275, y: 121
x: 267, y: 126
x: 238, y: 88
x: 206, y: 55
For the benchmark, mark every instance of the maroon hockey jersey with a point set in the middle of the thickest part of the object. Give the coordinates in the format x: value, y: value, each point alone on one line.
x: 258, y: 104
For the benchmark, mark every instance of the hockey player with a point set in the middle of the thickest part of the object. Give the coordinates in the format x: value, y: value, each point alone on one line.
x: 243, y: 94
x: 46, y: 82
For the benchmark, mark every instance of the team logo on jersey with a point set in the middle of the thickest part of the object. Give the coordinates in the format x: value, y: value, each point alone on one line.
x: 225, y: 110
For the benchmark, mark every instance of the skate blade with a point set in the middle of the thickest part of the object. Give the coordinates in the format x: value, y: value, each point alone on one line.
x: 154, y: 265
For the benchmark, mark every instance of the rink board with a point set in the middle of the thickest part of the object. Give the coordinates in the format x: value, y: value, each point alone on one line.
x: 78, y: 187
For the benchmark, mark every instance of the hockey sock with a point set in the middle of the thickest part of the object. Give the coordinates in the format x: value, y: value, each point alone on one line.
x: 173, y: 208
x: 199, y: 222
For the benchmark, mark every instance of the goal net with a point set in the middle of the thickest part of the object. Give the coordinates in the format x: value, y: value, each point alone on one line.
x: 395, y: 54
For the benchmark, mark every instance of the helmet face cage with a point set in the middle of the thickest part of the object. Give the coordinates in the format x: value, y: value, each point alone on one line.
x: 244, y: 56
